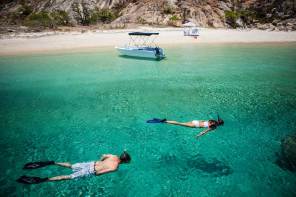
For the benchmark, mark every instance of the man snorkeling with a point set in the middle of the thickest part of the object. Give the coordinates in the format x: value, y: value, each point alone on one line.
x: 209, y: 124
x: 107, y: 163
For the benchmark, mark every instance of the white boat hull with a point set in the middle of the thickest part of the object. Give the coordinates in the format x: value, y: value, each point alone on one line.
x: 144, y: 52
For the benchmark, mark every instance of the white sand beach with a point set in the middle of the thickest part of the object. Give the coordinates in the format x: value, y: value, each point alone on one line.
x: 28, y: 43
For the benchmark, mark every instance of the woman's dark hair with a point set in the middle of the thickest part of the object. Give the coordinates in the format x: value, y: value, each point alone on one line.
x: 125, y: 157
x: 214, y: 125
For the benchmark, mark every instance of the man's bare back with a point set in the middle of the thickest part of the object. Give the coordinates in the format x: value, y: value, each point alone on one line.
x: 108, y: 163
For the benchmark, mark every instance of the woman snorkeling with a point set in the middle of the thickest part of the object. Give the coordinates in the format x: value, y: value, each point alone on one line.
x: 209, y: 124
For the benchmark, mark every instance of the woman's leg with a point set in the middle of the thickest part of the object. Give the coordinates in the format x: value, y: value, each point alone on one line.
x: 60, y: 178
x: 185, y: 124
x: 66, y: 164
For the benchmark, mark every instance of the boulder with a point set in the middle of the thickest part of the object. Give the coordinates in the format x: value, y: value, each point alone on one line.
x: 275, y: 22
x: 24, y: 28
x: 287, y: 157
x: 263, y: 26
x: 282, y: 28
x: 224, y: 6
x: 11, y: 30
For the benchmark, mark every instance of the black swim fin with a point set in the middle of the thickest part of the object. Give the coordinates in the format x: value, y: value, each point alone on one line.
x: 31, y: 180
x: 38, y: 164
x: 156, y: 120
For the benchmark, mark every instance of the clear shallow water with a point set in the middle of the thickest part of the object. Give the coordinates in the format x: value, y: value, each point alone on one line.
x: 75, y: 107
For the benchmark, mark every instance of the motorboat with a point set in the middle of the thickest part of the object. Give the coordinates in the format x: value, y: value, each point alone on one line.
x: 142, y: 44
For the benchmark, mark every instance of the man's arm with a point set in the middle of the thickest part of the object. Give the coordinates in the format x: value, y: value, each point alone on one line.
x: 104, y: 171
x: 203, y: 132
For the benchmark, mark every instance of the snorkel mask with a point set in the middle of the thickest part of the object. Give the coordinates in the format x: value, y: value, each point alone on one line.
x: 125, y: 157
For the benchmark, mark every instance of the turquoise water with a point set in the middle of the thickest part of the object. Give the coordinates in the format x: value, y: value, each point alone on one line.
x: 76, y: 106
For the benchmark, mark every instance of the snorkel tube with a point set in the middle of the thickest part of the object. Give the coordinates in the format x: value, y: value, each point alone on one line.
x: 220, y: 121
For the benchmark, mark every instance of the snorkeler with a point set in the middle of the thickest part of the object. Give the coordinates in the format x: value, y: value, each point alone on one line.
x: 209, y: 124
x: 107, y: 163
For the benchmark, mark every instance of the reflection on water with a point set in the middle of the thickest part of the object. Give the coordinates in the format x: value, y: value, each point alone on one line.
x: 138, y: 58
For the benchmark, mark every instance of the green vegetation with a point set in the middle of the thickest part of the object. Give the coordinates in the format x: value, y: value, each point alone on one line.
x: 106, y: 15
x: 46, y: 19
x: 103, y: 16
x: 85, y: 16
x: 247, y: 17
x: 26, y: 16
x: 21, y: 13
x: 231, y: 18
x: 60, y: 17
x: 174, y: 21
x: 174, y: 18
x: 25, y: 10
x: 40, y: 19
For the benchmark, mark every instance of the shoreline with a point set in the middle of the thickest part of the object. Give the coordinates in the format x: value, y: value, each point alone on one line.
x: 112, y: 48
x: 54, y: 42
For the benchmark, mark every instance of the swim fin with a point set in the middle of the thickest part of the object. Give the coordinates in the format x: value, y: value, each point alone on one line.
x: 38, y: 164
x: 31, y: 180
x: 156, y: 120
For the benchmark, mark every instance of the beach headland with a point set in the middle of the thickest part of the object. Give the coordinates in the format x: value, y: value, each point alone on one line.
x: 30, y: 43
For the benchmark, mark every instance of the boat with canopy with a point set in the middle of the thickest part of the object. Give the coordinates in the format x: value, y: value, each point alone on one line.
x: 142, y: 44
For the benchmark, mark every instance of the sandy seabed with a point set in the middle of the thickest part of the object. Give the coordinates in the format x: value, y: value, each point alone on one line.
x: 28, y: 43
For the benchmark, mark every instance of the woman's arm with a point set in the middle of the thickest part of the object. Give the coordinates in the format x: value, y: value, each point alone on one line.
x: 203, y: 132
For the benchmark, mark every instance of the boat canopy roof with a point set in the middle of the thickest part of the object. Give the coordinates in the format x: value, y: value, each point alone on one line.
x: 142, y: 39
x: 143, y: 33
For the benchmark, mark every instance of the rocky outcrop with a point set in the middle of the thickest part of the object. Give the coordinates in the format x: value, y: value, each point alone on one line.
x: 273, y: 14
x: 263, y: 14
x: 203, y: 13
x: 287, y: 157
x: 71, y: 7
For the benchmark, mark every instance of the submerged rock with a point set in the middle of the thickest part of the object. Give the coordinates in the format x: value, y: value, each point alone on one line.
x: 287, y: 157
